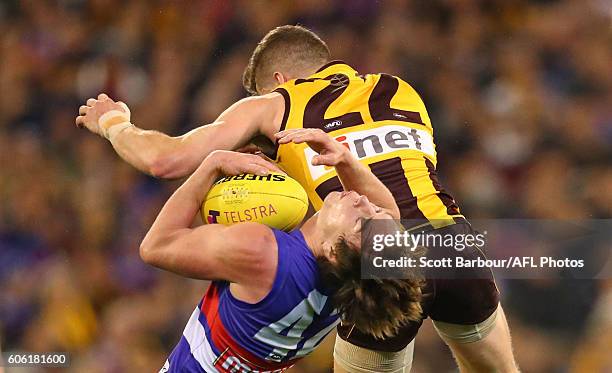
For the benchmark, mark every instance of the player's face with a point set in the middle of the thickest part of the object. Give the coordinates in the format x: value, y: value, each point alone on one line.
x: 342, y: 213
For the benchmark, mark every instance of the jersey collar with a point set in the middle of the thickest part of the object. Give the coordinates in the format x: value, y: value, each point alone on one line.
x: 333, y: 67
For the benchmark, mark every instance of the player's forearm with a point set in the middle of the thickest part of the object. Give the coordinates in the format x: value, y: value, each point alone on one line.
x: 356, y: 176
x: 149, y: 151
x: 180, y: 210
x: 154, y: 153
x: 178, y: 213
x: 173, y: 157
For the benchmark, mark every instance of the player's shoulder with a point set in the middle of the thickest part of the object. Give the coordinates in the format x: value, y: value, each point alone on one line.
x: 251, y: 237
x: 267, y: 110
x: 400, y: 79
x: 263, y: 102
x: 405, y: 83
x: 399, y: 85
x: 250, y: 230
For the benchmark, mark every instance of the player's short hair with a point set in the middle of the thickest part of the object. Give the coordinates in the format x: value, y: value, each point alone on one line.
x: 291, y: 49
x: 378, y: 306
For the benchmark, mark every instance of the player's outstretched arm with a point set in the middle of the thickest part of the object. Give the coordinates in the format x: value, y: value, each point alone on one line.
x: 168, y: 157
x: 493, y: 353
x: 234, y: 253
x: 353, y: 174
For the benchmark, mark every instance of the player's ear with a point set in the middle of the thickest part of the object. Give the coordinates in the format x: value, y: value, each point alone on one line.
x: 353, y: 236
x: 280, y: 78
x: 329, y: 251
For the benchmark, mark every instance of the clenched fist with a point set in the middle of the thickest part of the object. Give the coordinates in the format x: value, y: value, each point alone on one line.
x: 103, y: 114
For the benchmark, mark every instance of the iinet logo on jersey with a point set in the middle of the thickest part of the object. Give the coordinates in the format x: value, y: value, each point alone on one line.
x: 377, y: 141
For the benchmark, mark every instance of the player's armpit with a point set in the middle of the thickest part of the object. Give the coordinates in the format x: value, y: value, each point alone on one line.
x: 485, y: 347
x: 239, y: 253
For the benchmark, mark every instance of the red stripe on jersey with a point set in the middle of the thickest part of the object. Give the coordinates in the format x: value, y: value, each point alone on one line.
x: 223, y: 342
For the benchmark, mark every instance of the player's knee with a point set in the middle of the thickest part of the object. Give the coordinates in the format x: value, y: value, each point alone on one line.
x: 466, y: 333
x: 350, y: 358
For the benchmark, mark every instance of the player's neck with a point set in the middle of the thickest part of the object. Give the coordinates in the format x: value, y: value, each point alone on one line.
x: 305, y: 72
x: 312, y: 236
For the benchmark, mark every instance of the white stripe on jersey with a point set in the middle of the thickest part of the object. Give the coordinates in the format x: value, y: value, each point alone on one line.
x: 198, y: 344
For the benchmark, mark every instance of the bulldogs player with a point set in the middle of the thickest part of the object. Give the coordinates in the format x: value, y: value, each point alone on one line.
x: 276, y: 295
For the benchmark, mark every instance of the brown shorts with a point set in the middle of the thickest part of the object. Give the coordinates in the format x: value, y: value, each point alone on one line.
x: 466, y: 299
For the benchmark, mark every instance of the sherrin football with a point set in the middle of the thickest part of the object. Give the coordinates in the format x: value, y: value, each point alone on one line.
x: 275, y: 200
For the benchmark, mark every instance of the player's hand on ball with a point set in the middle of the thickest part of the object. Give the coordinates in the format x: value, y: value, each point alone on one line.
x: 234, y: 163
x: 100, y: 114
x: 331, y: 152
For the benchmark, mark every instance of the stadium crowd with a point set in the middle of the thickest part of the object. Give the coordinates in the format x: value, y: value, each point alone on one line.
x: 520, y: 95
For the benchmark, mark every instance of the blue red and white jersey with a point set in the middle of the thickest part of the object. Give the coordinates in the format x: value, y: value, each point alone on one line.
x: 225, y: 334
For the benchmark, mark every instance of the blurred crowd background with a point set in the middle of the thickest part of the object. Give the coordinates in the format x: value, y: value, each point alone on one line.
x: 520, y: 95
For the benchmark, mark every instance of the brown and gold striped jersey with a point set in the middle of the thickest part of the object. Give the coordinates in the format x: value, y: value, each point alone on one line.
x: 383, y: 121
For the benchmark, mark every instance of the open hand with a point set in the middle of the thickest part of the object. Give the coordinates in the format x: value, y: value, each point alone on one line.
x: 331, y: 152
x: 234, y: 163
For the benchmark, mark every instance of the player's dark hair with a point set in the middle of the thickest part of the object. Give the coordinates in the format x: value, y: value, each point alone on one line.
x: 378, y: 306
x: 287, y: 48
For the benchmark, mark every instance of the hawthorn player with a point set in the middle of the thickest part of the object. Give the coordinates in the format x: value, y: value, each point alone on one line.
x: 384, y: 123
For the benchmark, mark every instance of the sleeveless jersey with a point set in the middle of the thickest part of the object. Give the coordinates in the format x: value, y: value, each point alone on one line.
x: 225, y: 334
x: 382, y: 120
